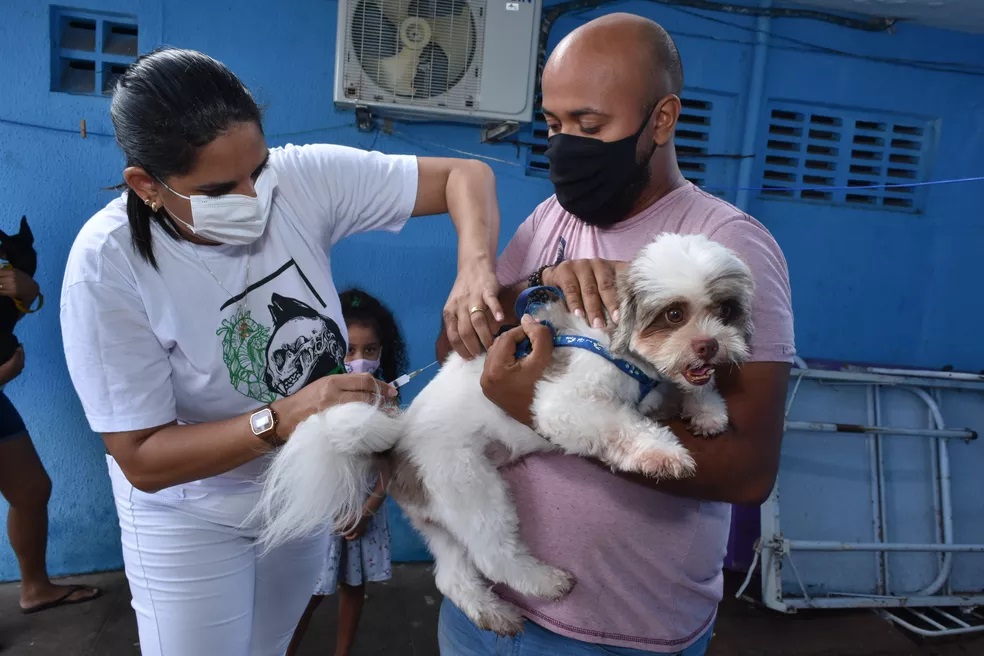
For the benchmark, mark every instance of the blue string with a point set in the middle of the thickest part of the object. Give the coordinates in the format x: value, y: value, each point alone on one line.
x: 852, y: 188
x: 774, y: 189
x: 92, y: 133
x: 76, y: 131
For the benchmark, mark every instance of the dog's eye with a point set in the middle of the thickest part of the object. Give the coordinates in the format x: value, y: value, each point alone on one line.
x: 729, y: 311
x: 674, y: 315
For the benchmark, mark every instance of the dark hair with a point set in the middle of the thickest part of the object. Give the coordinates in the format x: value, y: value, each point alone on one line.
x: 166, y: 106
x: 361, y: 308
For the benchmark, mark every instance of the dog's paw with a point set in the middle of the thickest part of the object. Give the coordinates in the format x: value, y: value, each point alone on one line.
x: 706, y: 424
x: 563, y: 583
x: 497, y: 616
x: 667, y: 462
x: 546, y: 582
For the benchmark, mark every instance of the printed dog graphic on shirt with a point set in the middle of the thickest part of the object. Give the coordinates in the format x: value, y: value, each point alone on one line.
x: 296, y: 345
x: 685, y: 309
x: 304, y: 346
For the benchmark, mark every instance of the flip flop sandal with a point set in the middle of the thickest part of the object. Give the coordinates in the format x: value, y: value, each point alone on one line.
x: 64, y: 600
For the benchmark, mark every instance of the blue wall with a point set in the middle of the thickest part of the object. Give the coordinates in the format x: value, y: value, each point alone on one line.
x: 868, y: 285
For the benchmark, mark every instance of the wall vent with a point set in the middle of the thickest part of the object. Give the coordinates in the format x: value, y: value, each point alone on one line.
x: 845, y: 157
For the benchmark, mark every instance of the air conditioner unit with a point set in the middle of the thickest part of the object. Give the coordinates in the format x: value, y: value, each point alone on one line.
x: 461, y: 60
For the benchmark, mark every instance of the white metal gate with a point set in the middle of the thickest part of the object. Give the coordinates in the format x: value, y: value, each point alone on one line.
x: 879, y: 502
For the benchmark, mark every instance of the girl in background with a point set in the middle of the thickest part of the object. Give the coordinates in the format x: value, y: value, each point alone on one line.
x: 363, y: 553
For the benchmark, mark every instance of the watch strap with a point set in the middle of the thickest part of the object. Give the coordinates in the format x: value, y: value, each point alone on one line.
x: 270, y: 434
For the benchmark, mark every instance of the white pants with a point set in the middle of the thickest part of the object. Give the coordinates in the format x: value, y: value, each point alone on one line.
x: 200, y: 587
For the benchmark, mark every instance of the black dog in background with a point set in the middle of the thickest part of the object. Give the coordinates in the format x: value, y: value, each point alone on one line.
x: 19, y: 252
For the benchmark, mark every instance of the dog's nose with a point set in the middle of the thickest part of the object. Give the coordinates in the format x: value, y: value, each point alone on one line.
x: 705, y: 348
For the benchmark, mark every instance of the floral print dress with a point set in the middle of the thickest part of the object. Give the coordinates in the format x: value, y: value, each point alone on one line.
x: 358, y: 561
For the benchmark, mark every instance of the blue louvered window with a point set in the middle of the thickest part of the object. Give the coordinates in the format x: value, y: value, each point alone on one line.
x: 90, y: 50
x: 845, y: 157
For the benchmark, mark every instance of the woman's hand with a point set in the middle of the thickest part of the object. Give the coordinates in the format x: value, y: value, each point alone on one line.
x: 588, y: 286
x: 12, y: 368
x: 473, y: 313
x: 17, y: 284
x: 324, y: 393
x: 509, y: 382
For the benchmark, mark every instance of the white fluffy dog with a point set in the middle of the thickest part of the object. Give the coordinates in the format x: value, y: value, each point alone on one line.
x: 684, y: 309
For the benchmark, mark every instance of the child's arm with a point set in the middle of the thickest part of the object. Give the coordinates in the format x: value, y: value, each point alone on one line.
x: 371, y: 506
x: 377, y: 496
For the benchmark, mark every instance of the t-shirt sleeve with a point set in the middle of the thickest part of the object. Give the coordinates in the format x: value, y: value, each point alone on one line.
x: 772, y: 312
x: 510, y: 265
x: 119, y: 368
x: 340, y: 191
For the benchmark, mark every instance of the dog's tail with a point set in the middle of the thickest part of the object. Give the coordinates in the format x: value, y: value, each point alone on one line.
x: 320, y: 478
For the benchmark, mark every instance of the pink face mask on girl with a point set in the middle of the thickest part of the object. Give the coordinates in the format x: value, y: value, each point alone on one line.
x: 361, y: 366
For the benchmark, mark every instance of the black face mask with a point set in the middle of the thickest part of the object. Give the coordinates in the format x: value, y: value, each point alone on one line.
x: 598, y: 181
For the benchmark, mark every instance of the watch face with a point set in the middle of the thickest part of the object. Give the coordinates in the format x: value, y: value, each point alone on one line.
x: 262, y: 421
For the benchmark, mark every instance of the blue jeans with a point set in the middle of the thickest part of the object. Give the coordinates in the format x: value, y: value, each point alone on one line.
x: 457, y: 636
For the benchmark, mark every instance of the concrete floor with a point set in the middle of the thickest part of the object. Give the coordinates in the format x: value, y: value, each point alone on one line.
x: 400, y: 619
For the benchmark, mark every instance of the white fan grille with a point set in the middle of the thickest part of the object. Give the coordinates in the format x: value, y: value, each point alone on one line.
x: 420, y: 53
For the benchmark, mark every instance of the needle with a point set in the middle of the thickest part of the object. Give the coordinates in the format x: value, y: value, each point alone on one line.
x: 406, y: 378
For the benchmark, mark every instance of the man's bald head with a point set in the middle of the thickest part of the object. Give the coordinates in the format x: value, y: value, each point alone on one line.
x: 629, y: 42
x: 615, y: 80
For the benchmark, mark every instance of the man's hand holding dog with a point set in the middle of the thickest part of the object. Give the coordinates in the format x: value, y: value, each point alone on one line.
x: 17, y: 284
x: 589, y: 289
x: 509, y: 381
x: 588, y: 286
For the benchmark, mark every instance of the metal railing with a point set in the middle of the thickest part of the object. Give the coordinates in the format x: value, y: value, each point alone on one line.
x: 775, y: 550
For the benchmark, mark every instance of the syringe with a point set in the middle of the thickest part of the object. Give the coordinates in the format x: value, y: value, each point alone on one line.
x: 406, y: 378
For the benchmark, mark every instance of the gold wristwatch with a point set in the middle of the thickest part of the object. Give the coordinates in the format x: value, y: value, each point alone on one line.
x: 264, y: 425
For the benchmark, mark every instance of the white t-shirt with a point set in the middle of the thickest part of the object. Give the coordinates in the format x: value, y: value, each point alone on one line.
x: 146, y: 347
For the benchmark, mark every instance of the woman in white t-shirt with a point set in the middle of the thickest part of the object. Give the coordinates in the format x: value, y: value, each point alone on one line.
x: 201, y: 324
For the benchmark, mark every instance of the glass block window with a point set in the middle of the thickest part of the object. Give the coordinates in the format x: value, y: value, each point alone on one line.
x: 90, y: 50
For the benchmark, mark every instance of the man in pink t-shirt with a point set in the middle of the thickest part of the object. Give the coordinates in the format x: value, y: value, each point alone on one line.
x: 647, y: 556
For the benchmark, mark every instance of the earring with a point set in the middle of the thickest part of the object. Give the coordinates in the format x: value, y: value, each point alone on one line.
x: 153, y: 206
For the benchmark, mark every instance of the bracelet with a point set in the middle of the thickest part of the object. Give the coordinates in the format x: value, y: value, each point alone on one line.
x: 25, y: 309
x: 536, y: 278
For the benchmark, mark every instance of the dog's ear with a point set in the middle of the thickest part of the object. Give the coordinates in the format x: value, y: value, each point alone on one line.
x: 622, y: 334
x: 745, y: 324
x: 25, y: 230
x: 742, y: 294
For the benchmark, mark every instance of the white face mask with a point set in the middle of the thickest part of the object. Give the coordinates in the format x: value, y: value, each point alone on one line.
x: 361, y: 366
x: 231, y: 219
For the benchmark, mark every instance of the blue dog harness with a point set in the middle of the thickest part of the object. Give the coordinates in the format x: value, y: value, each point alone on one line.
x: 533, y: 298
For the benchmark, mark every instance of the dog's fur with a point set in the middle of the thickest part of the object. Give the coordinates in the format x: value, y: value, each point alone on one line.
x: 681, y: 295
x: 19, y: 251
